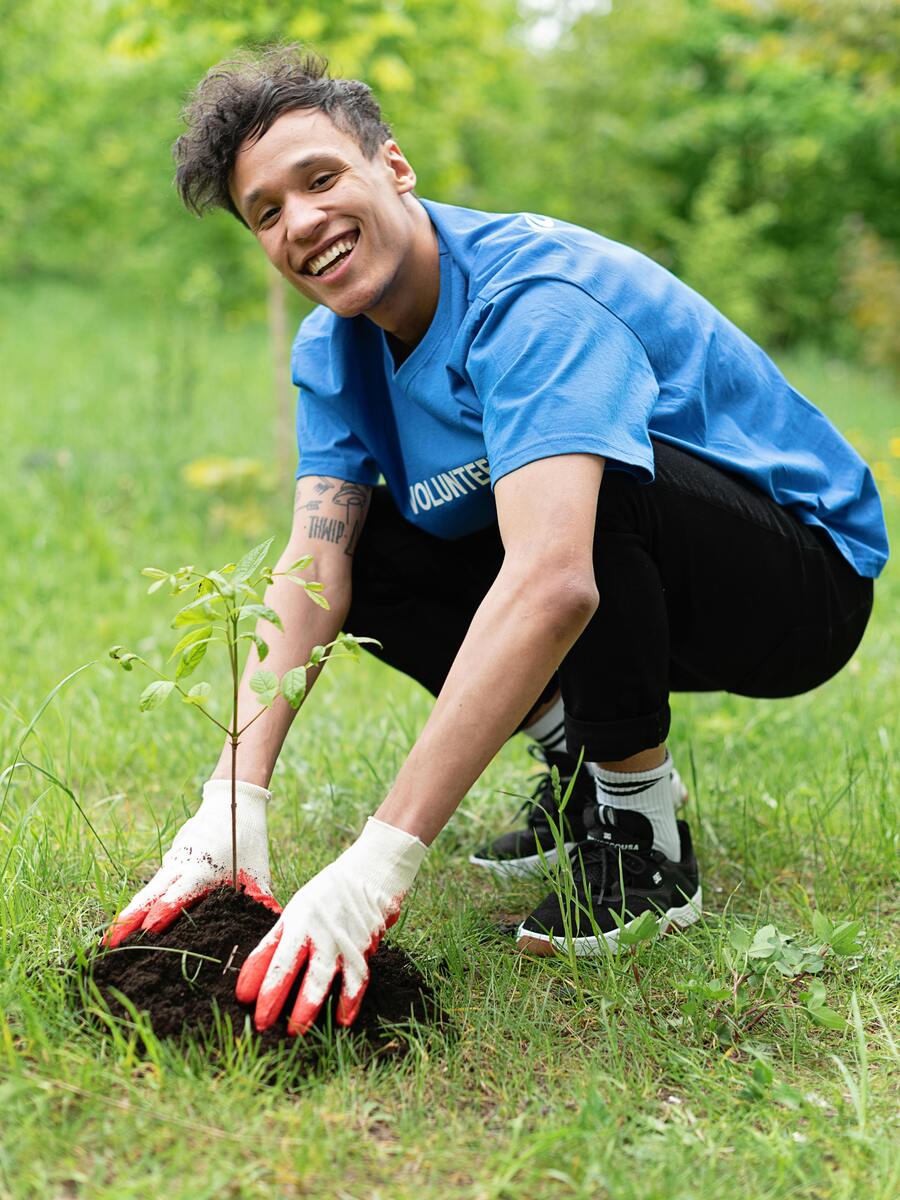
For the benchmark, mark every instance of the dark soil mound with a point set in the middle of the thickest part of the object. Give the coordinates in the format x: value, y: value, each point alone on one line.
x: 177, y: 990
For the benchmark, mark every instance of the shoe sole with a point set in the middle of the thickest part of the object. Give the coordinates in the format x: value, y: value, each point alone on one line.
x: 513, y: 868
x: 544, y: 944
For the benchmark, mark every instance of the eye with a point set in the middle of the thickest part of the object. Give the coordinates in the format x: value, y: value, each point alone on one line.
x: 321, y: 180
x: 266, y: 217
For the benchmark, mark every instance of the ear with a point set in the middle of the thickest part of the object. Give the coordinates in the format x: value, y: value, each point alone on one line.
x: 397, y: 164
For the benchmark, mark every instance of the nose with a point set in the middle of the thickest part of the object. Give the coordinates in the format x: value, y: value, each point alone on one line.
x: 302, y: 219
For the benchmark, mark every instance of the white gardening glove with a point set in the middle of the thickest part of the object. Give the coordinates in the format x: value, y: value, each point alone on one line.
x: 334, y: 923
x: 200, y: 860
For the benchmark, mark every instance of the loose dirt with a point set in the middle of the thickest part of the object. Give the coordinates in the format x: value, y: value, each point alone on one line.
x: 163, y: 977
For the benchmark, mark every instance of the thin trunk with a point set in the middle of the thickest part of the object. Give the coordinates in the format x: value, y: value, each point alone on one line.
x: 234, y: 747
x: 279, y: 344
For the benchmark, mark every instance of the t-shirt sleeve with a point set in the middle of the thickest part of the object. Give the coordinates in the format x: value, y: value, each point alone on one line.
x: 558, y: 373
x: 328, y: 441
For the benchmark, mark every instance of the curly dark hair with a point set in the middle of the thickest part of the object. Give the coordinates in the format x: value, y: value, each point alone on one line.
x: 243, y: 96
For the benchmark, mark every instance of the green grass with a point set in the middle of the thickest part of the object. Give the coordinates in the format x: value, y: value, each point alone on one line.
x: 543, y: 1082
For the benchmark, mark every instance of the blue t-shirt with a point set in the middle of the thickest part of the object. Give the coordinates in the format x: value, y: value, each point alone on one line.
x: 550, y: 339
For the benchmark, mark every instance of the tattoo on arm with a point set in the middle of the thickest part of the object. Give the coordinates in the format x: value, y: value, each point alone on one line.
x: 320, y: 487
x: 349, y: 499
x: 351, y: 496
x: 328, y: 529
x: 352, y: 540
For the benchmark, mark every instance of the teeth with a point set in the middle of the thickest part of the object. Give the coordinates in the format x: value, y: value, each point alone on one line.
x: 318, y: 264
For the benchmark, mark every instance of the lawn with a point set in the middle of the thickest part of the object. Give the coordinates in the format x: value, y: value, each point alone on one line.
x: 611, y: 1077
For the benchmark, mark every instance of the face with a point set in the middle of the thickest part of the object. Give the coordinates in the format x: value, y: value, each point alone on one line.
x: 337, y: 225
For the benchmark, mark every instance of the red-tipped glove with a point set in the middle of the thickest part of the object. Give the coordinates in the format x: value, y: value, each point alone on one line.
x: 200, y: 860
x: 334, y: 923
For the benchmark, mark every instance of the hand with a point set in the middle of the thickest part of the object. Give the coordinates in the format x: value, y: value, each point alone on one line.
x: 334, y: 923
x: 200, y: 861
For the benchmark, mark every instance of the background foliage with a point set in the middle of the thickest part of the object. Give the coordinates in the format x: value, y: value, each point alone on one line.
x: 752, y: 146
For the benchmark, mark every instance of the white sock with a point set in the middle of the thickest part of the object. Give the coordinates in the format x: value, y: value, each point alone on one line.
x: 651, y: 793
x: 549, y: 730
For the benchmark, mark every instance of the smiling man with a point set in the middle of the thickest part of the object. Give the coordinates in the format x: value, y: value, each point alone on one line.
x: 554, y: 482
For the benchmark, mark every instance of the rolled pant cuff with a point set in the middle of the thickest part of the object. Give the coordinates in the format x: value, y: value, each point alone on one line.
x: 610, y: 741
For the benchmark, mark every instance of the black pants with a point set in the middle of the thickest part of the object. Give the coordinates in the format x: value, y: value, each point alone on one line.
x: 705, y: 585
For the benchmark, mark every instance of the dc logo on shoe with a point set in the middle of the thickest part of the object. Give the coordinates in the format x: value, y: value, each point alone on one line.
x: 537, y: 223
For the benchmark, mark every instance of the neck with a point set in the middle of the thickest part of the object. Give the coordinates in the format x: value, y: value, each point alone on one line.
x: 406, y: 312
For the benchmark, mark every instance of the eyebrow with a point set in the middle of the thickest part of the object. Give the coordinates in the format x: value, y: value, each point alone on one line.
x: 301, y: 165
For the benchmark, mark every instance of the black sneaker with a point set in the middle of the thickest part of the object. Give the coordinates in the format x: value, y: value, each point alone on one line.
x: 616, y: 839
x: 516, y: 853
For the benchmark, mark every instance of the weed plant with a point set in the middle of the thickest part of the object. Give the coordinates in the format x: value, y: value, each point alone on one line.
x: 549, y: 1078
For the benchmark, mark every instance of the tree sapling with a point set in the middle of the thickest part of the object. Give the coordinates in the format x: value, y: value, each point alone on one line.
x: 223, y: 601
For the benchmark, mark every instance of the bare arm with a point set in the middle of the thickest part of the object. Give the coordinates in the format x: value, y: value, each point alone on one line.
x: 541, y: 600
x: 329, y: 515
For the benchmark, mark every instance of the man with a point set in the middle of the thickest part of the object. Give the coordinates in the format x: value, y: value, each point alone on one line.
x: 596, y: 490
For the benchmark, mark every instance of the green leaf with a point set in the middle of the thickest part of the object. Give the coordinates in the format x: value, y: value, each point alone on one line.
x: 814, y: 996
x: 643, y: 929
x: 316, y: 655
x: 314, y: 592
x: 821, y: 926
x: 714, y: 990
x: 262, y: 648
x: 293, y: 686
x: 161, y: 578
x: 191, y: 658
x: 766, y: 943
x: 758, y: 1084
x: 197, y: 694
x: 740, y: 939
x: 252, y: 560
x: 350, y: 639
x: 155, y: 694
x: 200, y: 611
x: 302, y: 563
x: 265, y: 685
x: 263, y: 611
x: 762, y: 1073
x: 822, y: 1015
x: 845, y: 938
x: 192, y: 635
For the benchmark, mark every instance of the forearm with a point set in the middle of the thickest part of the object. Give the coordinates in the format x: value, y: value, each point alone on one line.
x: 521, y: 632
x: 305, y: 625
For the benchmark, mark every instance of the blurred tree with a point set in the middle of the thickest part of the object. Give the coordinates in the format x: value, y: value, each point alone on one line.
x: 730, y: 139
x: 92, y: 94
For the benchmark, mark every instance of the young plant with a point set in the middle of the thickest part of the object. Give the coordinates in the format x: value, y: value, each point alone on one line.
x: 771, y: 973
x: 222, y: 602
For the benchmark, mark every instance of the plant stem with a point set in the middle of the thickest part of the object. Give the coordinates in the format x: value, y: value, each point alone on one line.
x: 234, y: 746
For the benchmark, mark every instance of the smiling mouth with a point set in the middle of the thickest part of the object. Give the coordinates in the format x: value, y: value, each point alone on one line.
x: 332, y: 256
